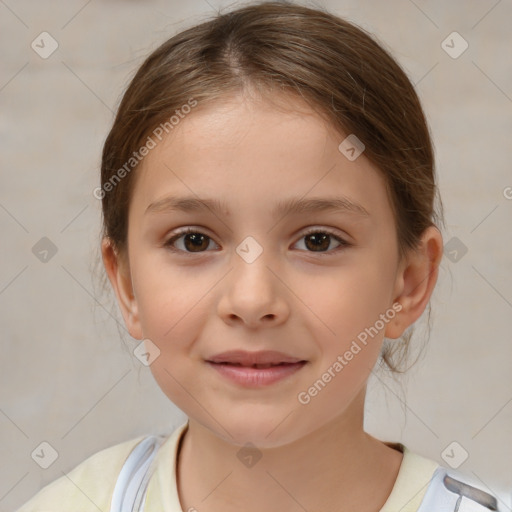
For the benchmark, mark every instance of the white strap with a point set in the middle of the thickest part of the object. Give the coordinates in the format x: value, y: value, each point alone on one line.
x: 448, y: 492
x: 131, y: 485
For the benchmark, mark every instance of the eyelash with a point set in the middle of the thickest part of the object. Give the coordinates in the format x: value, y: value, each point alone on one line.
x: 343, y: 243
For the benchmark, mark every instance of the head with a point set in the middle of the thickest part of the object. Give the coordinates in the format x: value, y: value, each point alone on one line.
x: 269, y: 106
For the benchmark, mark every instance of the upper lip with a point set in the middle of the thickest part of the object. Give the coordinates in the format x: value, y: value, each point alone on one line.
x: 245, y: 358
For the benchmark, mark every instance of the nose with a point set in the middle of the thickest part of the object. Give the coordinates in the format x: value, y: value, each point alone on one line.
x: 253, y: 294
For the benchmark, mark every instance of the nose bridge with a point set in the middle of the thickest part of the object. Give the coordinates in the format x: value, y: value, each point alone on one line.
x: 251, y: 265
x: 252, y: 291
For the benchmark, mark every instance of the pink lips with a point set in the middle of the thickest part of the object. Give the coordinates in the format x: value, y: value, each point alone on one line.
x: 254, y: 369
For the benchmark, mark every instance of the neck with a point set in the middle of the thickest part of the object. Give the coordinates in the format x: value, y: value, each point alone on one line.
x: 338, y: 467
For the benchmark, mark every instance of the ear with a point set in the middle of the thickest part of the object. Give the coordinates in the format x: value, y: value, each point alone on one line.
x: 118, y: 271
x: 416, y: 279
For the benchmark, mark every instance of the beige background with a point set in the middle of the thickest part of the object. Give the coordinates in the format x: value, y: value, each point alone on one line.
x: 68, y: 379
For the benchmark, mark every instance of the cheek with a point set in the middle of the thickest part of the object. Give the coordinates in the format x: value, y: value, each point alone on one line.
x: 171, y: 319
x: 349, y: 339
x: 167, y: 297
x: 349, y: 300
x: 173, y: 307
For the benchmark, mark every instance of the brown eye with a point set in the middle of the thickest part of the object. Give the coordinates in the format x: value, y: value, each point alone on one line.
x: 319, y: 241
x: 193, y: 241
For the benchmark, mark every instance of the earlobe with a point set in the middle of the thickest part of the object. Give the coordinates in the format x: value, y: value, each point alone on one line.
x: 118, y: 271
x: 416, y: 281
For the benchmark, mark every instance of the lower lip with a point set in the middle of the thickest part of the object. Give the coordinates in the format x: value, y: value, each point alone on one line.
x: 256, y: 377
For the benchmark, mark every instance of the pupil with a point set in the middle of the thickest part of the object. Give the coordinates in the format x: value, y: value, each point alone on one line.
x: 319, y: 241
x: 195, y: 238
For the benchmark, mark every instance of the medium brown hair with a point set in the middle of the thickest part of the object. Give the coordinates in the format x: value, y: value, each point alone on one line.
x: 336, y: 67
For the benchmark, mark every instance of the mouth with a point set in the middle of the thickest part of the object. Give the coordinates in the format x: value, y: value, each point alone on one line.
x: 255, y: 369
x: 262, y: 359
x: 257, y: 366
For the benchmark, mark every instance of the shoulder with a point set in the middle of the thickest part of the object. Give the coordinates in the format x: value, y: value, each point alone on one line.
x: 88, y: 486
x: 451, y: 489
x: 412, y: 480
x: 424, y: 485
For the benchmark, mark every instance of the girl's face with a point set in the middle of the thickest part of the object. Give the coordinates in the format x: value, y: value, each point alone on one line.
x: 251, y: 278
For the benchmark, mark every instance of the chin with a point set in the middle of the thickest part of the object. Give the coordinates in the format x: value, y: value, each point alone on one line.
x: 263, y: 430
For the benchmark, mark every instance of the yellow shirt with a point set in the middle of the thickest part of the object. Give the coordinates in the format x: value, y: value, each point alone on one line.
x: 89, y: 486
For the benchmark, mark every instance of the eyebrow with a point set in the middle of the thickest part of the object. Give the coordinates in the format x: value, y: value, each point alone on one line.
x: 282, y: 208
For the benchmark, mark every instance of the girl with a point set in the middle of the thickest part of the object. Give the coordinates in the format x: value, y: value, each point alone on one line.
x: 268, y: 195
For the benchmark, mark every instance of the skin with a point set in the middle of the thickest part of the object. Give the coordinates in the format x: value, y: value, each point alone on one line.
x: 294, y: 299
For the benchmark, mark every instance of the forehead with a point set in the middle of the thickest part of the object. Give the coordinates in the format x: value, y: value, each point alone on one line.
x: 254, y: 126
x: 247, y: 151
